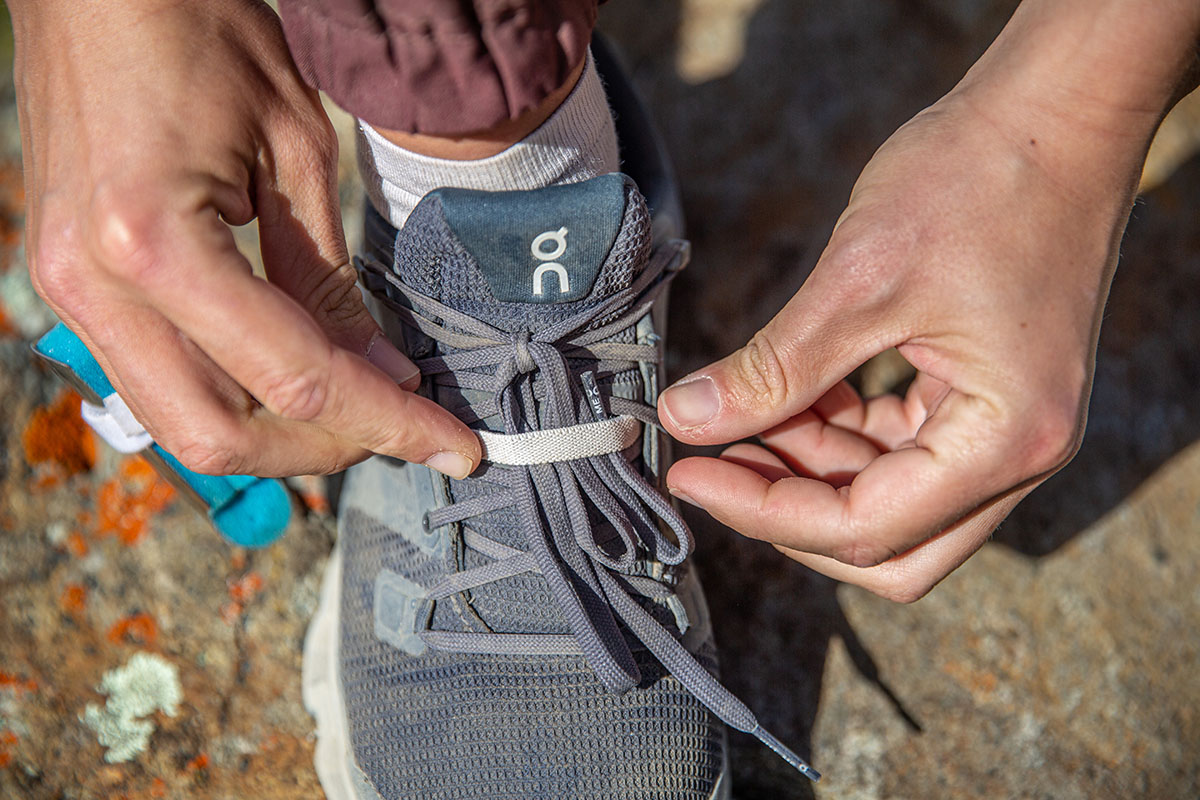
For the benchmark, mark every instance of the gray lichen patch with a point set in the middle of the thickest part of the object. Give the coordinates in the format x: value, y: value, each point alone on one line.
x: 146, y: 684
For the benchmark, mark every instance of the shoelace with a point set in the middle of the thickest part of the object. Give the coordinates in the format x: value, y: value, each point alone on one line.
x: 547, y: 467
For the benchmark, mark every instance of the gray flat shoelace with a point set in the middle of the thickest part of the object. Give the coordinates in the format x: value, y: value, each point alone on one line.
x: 547, y: 467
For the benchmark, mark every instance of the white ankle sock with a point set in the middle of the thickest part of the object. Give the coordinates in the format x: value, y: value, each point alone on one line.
x: 577, y: 142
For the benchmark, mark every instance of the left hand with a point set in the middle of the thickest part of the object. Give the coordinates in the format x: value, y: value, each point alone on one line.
x: 980, y: 241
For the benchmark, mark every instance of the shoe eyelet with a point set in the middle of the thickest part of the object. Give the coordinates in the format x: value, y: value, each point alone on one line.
x: 425, y: 523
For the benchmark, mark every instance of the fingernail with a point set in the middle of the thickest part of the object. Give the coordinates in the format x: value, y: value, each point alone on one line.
x: 456, y: 465
x: 692, y: 402
x: 683, y: 497
x: 396, y: 365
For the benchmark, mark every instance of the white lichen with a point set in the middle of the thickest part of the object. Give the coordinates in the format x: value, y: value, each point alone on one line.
x: 123, y: 737
x: 147, y: 683
x: 57, y: 532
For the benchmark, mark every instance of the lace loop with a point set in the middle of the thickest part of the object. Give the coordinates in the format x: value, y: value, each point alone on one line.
x: 523, y: 358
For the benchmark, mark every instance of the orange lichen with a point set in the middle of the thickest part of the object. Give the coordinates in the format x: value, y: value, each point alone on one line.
x: 316, y: 502
x: 136, y: 468
x: 10, y: 681
x: 73, y: 599
x: 56, y: 434
x: 241, y: 592
x: 8, y: 741
x: 311, y: 489
x: 230, y: 612
x: 137, y: 628
x: 6, y: 326
x: 47, y: 480
x: 12, y: 206
x: 243, y: 589
x: 158, y: 788
x: 77, y: 545
x: 198, y: 763
x: 125, y: 504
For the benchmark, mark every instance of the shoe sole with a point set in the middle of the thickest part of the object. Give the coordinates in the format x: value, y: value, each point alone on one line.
x: 321, y: 689
x: 322, y: 692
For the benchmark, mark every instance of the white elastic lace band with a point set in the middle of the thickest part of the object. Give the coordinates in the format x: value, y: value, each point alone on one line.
x: 560, y: 444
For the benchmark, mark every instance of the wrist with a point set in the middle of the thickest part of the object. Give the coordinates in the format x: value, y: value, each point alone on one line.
x: 1081, y: 85
x: 1118, y: 59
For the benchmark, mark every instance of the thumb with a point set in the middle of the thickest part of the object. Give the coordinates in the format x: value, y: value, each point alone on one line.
x: 824, y: 332
x: 304, y: 250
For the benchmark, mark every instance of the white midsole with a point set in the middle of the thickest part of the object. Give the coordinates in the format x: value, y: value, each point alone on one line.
x: 322, y: 692
x: 322, y: 689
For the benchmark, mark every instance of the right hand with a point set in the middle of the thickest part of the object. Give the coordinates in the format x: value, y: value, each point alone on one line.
x: 150, y: 126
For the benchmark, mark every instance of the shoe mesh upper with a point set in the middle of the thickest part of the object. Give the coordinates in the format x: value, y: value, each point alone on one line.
x: 460, y: 725
x: 453, y: 725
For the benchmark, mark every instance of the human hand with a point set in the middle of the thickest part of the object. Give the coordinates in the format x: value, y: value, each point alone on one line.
x: 150, y: 126
x: 980, y: 241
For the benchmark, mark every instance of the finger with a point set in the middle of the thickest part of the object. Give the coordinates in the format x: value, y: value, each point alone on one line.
x: 814, y: 448
x: 266, y: 342
x: 759, y: 459
x: 897, y: 501
x: 888, y: 420
x: 304, y: 248
x: 192, y: 408
x: 910, y: 576
x: 189, y: 405
x: 905, y: 578
x: 841, y: 316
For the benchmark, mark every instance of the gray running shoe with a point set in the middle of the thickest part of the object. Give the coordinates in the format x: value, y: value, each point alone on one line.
x: 532, y: 631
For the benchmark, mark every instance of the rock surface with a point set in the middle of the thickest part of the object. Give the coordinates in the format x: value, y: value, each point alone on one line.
x: 1059, y: 662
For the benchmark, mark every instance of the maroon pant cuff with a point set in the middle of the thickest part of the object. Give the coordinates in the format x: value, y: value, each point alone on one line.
x: 437, y: 66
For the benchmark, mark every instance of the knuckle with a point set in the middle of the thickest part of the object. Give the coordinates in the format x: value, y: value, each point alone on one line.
x: 862, y: 264
x: 335, y: 301
x: 300, y: 396
x: 54, y: 270
x: 863, y: 554
x: 775, y: 510
x: 208, y: 453
x: 341, y: 461
x: 762, y: 371
x: 901, y: 590
x: 54, y: 247
x: 401, y: 441
x: 1052, y: 441
x: 125, y: 233
x: 314, y: 140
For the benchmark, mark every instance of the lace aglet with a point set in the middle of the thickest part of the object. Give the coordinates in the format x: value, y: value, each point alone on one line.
x: 786, y: 754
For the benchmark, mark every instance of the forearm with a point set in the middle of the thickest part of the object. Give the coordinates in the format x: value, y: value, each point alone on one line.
x: 1083, y: 84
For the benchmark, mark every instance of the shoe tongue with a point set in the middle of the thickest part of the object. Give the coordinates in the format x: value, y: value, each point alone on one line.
x: 504, y: 255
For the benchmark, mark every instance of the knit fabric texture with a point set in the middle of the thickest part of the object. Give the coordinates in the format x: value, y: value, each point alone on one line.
x: 466, y: 725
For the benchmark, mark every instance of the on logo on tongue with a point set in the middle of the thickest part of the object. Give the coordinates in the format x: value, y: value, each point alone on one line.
x: 558, y: 239
x: 568, y: 230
